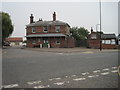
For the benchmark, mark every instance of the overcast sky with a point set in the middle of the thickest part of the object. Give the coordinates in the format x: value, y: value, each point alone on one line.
x: 80, y: 14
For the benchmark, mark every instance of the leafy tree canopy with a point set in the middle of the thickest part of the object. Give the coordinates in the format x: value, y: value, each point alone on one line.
x: 7, y: 27
x: 100, y: 32
x: 79, y: 33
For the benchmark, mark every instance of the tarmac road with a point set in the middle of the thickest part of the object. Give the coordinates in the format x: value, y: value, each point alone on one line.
x: 23, y: 68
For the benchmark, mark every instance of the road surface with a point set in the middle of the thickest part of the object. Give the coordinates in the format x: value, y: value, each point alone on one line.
x: 34, y: 69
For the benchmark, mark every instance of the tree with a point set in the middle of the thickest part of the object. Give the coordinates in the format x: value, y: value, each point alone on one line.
x: 100, y: 32
x: 7, y: 27
x: 79, y: 33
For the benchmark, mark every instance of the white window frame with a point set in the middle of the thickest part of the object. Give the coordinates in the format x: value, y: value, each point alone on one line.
x: 107, y: 41
x: 57, y: 28
x: 33, y: 30
x: 93, y: 36
x: 103, y: 41
x: 45, y: 30
x: 113, y: 42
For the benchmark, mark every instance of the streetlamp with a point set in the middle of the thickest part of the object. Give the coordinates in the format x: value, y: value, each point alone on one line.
x: 100, y: 27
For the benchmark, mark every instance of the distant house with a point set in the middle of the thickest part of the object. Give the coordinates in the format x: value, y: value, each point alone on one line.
x: 50, y: 34
x: 15, y: 40
x: 108, y: 41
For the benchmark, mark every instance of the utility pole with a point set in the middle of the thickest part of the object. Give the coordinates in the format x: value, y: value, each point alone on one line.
x: 100, y: 27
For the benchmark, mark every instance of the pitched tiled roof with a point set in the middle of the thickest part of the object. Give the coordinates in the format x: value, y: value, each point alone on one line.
x: 108, y: 36
x: 15, y: 39
x: 47, y: 23
x: 46, y: 35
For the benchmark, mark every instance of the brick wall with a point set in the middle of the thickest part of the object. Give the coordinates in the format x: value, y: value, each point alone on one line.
x: 51, y: 29
x: 64, y: 42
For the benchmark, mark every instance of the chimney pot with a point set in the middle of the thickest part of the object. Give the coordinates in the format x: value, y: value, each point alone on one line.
x: 31, y: 18
x: 54, y: 16
x: 91, y: 29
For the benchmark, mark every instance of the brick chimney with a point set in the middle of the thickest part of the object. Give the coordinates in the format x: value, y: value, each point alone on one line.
x: 31, y: 18
x: 91, y: 29
x: 54, y: 16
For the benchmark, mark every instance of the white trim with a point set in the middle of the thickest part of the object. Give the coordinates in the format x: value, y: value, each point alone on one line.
x: 33, y: 29
x: 44, y: 29
x: 57, y: 28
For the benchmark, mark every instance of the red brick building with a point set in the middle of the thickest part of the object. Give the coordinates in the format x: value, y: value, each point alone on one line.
x: 108, y: 41
x: 15, y: 40
x: 51, y: 34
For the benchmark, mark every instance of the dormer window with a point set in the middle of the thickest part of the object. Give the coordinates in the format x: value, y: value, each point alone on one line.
x: 93, y: 36
x: 57, y: 28
x: 33, y: 30
x: 45, y: 29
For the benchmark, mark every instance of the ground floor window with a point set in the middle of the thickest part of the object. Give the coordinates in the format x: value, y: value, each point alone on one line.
x: 39, y: 40
x: 112, y: 41
x: 33, y: 41
x: 57, y: 40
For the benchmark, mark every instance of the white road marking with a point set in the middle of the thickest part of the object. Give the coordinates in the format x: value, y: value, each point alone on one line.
x: 50, y: 79
x: 66, y: 76
x: 10, y: 86
x: 88, y: 52
x: 41, y: 86
x: 115, y: 71
x: 59, y: 83
x: 106, y: 69
x: 93, y: 76
x: 106, y: 73
x: 85, y: 73
x: 96, y: 71
x: 73, y: 75
x: 78, y: 79
x: 114, y: 67
x: 54, y: 79
x: 34, y: 82
x: 67, y: 81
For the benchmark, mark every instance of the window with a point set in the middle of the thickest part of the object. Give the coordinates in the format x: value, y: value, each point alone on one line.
x: 33, y: 30
x: 57, y: 28
x: 112, y: 41
x: 93, y: 36
x: 39, y: 39
x: 58, y: 41
x: 103, y: 41
x: 45, y: 29
x: 34, y: 42
x: 108, y: 42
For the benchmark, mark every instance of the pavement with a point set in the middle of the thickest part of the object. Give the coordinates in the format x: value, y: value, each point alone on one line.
x: 59, y: 68
x: 69, y: 50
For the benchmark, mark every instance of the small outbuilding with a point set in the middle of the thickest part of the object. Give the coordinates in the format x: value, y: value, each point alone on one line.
x: 15, y: 40
x: 108, y: 41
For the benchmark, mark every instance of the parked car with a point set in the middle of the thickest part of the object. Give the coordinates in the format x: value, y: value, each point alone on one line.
x: 6, y: 43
